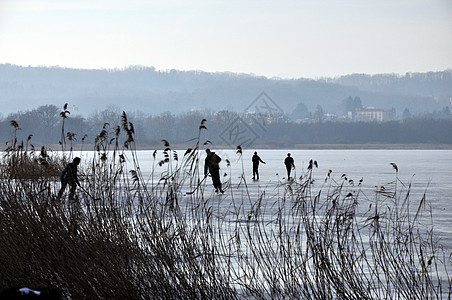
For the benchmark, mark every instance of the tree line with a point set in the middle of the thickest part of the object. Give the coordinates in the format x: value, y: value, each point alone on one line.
x: 50, y: 125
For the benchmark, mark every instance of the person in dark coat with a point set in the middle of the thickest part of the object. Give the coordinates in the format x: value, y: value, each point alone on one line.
x: 69, y: 176
x: 211, y: 165
x: 256, y: 159
x: 289, y: 164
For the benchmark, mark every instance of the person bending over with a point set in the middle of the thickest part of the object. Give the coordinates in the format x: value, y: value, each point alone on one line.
x: 69, y: 177
x: 211, y: 165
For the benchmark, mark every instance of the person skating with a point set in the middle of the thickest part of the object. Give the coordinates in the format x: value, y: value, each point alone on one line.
x: 211, y: 165
x: 256, y: 159
x: 69, y: 176
x: 289, y: 162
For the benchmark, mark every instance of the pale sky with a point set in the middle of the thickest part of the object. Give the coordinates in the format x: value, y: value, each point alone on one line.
x: 288, y: 39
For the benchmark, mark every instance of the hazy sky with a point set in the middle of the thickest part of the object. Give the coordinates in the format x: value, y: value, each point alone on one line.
x: 299, y: 38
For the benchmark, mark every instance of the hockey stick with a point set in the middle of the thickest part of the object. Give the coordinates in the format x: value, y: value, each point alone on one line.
x: 83, y: 189
x: 197, y: 187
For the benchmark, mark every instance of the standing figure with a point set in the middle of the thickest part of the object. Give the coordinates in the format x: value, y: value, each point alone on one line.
x: 211, y: 165
x: 69, y: 176
x: 289, y: 165
x: 256, y: 159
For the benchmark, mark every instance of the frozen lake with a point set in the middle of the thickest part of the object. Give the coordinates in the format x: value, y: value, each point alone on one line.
x: 428, y: 171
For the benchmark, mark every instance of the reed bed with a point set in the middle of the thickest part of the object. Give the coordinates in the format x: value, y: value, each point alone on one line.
x: 145, y: 238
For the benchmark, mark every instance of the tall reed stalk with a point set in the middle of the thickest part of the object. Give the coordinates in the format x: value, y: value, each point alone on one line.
x: 146, y: 239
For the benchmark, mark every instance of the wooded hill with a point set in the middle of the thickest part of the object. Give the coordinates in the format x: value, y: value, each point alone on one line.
x: 151, y: 91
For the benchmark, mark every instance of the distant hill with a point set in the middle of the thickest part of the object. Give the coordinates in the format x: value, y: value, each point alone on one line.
x: 431, y: 84
x: 150, y: 91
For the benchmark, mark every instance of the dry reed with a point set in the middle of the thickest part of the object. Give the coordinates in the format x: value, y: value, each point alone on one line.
x: 147, y: 239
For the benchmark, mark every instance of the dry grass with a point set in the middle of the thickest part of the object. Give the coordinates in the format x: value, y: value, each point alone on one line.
x: 146, y: 239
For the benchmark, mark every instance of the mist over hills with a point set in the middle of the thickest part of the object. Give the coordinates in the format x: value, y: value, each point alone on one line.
x: 150, y: 91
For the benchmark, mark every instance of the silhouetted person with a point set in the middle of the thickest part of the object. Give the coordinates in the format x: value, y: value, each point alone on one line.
x: 69, y: 176
x: 256, y: 159
x: 289, y: 165
x: 211, y: 165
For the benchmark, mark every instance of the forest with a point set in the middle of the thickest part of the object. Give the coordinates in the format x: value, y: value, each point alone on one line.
x: 51, y: 125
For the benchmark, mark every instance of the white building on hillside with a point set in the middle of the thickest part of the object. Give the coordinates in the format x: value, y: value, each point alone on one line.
x: 374, y: 115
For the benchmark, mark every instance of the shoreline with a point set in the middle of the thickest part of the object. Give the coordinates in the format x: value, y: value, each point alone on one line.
x: 376, y: 147
x: 275, y: 147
